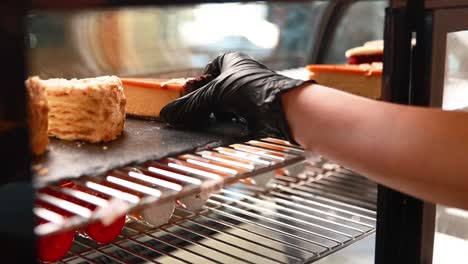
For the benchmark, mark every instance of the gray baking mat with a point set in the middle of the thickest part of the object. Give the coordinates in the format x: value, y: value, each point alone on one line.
x: 142, y: 140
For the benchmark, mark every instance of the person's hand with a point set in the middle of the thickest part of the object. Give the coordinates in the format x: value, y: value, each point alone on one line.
x: 241, y: 86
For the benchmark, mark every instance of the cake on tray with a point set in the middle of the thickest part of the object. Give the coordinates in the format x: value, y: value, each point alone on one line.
x: 90, y: 109
x: 363, y: 79
x: 38, y: 110
x: 147, y: 96
x: 369, y: 52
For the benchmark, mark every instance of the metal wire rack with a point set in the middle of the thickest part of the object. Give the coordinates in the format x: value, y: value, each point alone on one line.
x: 299, y: 218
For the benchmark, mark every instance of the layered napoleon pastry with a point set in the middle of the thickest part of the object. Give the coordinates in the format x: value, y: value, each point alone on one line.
x: 38, y: 110
x: 91, y: 109
x: 363, y: 79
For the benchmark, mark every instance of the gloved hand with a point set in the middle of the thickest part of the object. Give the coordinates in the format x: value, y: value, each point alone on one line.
x: 241, y: 86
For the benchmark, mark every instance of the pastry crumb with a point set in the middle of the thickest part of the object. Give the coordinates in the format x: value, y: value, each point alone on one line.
x: 104, y: 148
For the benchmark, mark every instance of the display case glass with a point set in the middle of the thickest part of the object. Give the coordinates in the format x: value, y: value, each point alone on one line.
x: 451, y: 230
x: 155, y: 39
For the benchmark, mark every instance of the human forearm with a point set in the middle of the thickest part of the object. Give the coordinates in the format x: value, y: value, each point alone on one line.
x: 419, y: 151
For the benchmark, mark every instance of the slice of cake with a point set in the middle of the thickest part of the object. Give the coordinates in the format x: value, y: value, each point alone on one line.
x: 146, y: 97
x: 371, y: 51
x: 364, y: 79
x: 38, y: 110
x: 91, y: 109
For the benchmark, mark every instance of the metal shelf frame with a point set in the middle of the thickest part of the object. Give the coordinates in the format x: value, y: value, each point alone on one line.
x: 413, y: 76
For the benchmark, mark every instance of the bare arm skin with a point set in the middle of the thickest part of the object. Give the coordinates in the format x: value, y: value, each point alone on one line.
x: 419, y: 151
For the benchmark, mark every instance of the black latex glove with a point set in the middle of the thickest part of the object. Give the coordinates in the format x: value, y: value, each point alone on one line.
x: 241, y: 86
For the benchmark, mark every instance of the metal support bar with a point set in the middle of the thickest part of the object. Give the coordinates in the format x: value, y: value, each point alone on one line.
x: 405, y: 225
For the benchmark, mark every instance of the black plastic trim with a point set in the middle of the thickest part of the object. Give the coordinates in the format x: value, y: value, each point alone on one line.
x: 405, y: 225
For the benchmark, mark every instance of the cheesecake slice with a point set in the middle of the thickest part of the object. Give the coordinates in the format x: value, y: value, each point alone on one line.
x: 146, y: 96
x: 371, y: 51
x: 363, y: 79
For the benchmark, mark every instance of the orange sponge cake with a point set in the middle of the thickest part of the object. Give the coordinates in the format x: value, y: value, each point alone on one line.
x: 363, y: 79
x: 146, y: 97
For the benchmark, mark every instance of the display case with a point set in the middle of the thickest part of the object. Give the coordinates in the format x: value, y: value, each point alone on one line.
x: 304, y: 216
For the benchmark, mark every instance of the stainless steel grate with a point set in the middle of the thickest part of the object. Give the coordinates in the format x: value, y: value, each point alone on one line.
x: 298, y: 218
